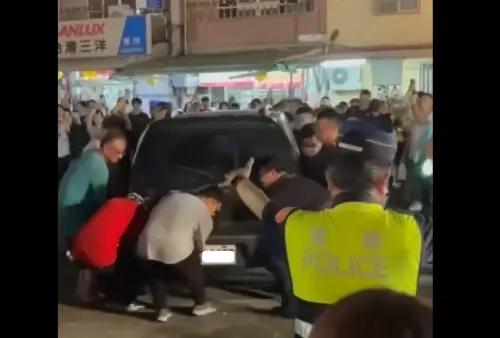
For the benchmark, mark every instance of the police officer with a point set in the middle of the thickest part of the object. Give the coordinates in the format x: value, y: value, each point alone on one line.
x: 356, y: 244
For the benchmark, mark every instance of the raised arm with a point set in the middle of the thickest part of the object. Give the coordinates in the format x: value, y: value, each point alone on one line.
x: 128, y: 123
x: 416, y: 113
x: 126, y: 119
x: 254, y: 198
x: 65, y: 124
x: 89, y: 119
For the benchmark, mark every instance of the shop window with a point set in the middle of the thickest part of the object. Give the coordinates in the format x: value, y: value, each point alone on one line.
x: 251, y: 8
x: 130, y: 3
x: 96, y: 9
x: 385, y: 7
x: 426, y: 78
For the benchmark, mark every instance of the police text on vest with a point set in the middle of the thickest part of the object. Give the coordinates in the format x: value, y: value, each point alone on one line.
x: 364, y: 266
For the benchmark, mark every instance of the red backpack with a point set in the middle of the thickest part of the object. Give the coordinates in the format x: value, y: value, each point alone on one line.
x: 95, y: 244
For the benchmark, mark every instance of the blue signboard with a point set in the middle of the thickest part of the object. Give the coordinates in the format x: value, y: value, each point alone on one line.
x: 133, y: 39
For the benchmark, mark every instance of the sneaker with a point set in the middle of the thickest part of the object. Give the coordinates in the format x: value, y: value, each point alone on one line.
x: 134, y: 307
x: 164, y: 315
x: 204, y: 309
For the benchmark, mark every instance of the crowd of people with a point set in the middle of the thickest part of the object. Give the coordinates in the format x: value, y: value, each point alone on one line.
x: 351, y: 155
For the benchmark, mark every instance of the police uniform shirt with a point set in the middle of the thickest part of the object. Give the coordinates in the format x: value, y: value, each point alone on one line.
x: 354, y: 245
x: 322, y: 276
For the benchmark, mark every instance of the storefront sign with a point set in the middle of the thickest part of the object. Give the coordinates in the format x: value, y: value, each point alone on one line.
x: 269, y: 80
x: 92, y: 38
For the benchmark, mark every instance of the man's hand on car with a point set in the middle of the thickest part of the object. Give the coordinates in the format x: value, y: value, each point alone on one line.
x: 240, y: 172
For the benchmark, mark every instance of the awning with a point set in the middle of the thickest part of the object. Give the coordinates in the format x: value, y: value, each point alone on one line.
x: 377, y: 52
x: 264, y: 60
x: 67, y: 65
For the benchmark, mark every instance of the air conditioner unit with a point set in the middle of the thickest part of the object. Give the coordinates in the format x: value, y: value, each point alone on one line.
x: 345, y: 78
x: 116, y: 11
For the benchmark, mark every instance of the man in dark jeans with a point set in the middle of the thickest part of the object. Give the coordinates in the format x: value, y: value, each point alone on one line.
x: 284, y: 189
x: 123, y: 282
x: 188, y: 271
x: 170, y: 245
x: 120, y: 283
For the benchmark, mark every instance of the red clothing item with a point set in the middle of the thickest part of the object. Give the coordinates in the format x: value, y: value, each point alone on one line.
x: 133, y: 231
x: 95, y: 244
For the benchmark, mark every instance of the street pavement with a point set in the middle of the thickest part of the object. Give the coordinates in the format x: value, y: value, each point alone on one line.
x: 242, y: 312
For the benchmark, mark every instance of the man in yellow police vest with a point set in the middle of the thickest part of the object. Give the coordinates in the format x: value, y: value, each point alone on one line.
x: 354, y: 245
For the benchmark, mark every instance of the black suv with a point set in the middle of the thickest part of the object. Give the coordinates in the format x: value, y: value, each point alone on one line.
x: 187, y: 152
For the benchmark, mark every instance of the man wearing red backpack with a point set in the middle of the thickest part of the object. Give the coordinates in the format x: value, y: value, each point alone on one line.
x: 104, y: 247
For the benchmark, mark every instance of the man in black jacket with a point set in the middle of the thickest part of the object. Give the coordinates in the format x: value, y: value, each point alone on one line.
x: 138, y: 119
x: 326, y: 131
x: 310, y: 147
x: 285, y: 189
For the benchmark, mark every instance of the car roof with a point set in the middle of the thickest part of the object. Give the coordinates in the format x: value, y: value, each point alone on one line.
x: 280, y: 116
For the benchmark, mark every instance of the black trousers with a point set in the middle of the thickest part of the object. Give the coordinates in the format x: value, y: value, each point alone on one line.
x: 88, y: 284
x: 278, y: 267
x: 188, y: 271
x: 122, y: 282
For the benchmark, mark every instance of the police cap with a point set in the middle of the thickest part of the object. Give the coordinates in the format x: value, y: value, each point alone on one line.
x: 374, y: 141
x: 162, y: 105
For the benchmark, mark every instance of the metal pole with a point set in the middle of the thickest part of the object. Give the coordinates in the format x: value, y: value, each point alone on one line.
x: 290, y: 84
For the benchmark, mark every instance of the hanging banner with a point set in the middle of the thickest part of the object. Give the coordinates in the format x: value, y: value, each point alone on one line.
x: 130, y: 35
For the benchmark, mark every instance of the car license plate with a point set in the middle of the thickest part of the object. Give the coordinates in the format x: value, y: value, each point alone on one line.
x: 219, y: 255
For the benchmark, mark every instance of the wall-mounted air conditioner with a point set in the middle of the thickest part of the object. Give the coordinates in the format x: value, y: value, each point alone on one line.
x: 344, y: 78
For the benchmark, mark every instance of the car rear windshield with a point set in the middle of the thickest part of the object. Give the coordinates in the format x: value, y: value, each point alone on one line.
x: 183, y: 156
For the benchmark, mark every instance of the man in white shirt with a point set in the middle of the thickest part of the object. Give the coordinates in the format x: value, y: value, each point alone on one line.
x: 421, y: 110
x: 171, y: 244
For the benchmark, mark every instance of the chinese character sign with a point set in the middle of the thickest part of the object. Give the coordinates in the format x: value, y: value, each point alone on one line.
x: 104, y: 37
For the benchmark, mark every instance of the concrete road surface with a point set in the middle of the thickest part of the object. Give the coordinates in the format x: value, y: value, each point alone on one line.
x: 242, y: 313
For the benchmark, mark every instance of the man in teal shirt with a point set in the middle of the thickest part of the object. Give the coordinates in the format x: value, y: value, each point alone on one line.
x: 83, y: 188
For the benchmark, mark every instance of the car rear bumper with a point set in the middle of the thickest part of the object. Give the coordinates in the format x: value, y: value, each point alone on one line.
x: 245, y: 250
